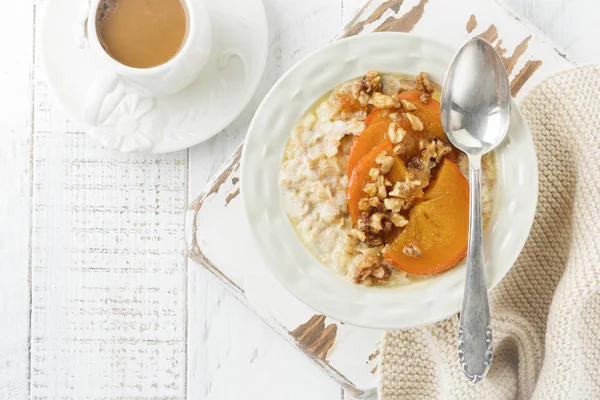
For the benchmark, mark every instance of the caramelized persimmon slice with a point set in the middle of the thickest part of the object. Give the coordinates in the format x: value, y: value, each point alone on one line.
x: 372, y: 136
x: 378, y: 115
x: 375, y: 134
x: 360, y: 176
x: 437, y: 227
x: 428, y: 113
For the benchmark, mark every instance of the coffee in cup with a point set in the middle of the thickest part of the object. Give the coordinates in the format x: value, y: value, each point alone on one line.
x: 142, y: 33
x: 152, y: 48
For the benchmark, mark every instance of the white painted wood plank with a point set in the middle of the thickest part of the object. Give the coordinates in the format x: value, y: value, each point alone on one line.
x: 108, y: 269
x: 237, y: 356
x: 231, y: 352
x: 349, y: 8
x: 573, y: 24
x: 16, y: 40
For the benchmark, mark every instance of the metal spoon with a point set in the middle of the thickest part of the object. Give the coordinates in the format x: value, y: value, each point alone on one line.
x: 475, y: 114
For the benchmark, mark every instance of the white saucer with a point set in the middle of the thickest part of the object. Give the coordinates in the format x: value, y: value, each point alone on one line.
x: 159, y: 125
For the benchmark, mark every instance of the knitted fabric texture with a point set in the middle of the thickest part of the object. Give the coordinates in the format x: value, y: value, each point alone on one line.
x: 546, y: 312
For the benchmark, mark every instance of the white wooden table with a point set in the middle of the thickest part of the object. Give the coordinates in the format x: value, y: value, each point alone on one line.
x: 96, y: 296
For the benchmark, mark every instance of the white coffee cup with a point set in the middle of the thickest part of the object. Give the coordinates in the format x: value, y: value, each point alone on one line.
x: 162, y: 80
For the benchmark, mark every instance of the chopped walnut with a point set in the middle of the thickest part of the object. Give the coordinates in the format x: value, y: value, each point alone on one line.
x: 415, y: 122
x: 411, y: 189
x: 382, y: 101
x: 393, y: 204
x: 367, y: 203
x: 373, y: 240
x: 441, y: 150
x: 364, y: 224
x: 412, y: 251
x: 359, y: 94
x: 386, y: 162
x: 425, y: 144
x: 407, y: 105
x: 371, y: 82
x: 370, y: 189
x: 363, y: 99
x: 357, y: 234
x: 364, y: 221
x: 434, y: 151
x: 374, y: 173
x: 398, y: 220
x: 363, y: 204
x: 376, y: 220
x: 369, y: 258
x: 400, y: 189
x: 416, y: 177
x: 370, y: 268
x: 427, y: 149
x: 395, y: 133
x: 381, y: 190
x: 378, y: 274
x: 423, y: 85
x: 374, y: 202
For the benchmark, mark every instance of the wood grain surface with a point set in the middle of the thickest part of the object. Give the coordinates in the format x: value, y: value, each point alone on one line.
x: 16, y: 124
x: 97, y: 299
x: 108, y: 273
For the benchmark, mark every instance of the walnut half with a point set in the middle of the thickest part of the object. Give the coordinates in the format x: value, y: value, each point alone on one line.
x: 376, y: 274
x: 385, y: 162
x: 412, y: 251
x: 423, y: 85
x: 371, y: 82
x: 370, y: 269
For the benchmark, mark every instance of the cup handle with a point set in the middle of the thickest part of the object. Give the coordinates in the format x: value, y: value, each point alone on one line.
x: 103, y: 86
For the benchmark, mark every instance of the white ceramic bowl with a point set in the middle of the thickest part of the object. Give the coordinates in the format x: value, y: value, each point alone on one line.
x: 282, y: 250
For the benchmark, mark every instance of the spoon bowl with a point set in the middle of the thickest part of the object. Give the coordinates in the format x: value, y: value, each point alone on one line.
x: 476, y: 99
x: 475, y: 111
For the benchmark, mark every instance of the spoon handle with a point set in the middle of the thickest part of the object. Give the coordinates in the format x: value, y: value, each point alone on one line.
x: 475, y: 329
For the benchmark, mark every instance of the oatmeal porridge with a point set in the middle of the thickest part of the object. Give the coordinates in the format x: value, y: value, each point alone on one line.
x: 372, y: 185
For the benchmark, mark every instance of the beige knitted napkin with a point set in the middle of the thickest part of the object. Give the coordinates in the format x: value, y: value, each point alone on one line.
x: 546, y: 312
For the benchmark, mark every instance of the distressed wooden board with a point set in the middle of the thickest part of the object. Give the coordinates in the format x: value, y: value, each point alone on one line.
x: 16, y: 87
x: 347, y: 353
